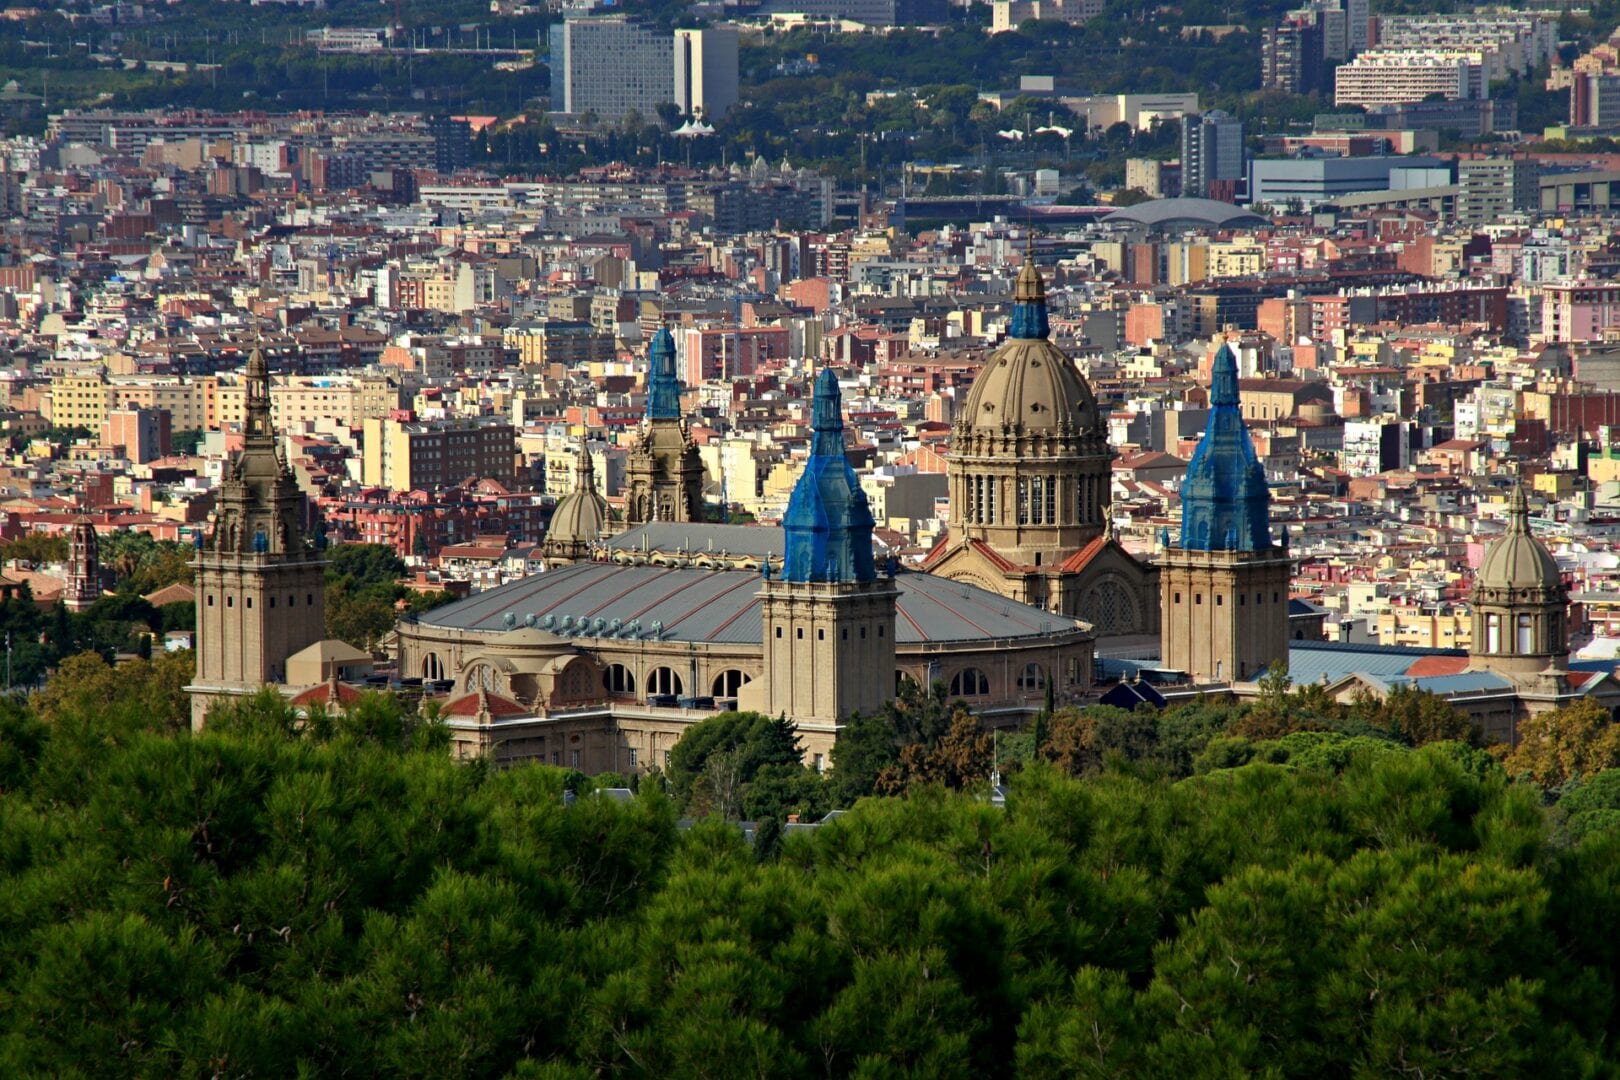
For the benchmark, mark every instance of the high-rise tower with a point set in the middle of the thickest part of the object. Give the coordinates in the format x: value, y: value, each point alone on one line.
x: 1224, y: 586
x: 261, y: 594
x: 828, y: 615
x: 664, y: 479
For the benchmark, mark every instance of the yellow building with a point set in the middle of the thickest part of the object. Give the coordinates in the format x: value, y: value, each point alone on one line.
x: 1427, y: 627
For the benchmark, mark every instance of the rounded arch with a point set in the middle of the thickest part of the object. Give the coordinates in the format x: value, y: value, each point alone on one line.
x: 432, y: 667
x: 663, y: 681
x: 970, y: 682
x: 728, y: 682
x: 618, y: 679
x: 480, y: 676
x: 1110, y: 608
x: 573, y: 682
x: 967, y: 577
x: 1032, y: 680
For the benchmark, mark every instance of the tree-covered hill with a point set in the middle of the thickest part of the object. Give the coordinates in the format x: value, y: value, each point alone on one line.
x: 340, y: 899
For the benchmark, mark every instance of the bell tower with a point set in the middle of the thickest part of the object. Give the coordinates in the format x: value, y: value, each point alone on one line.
x: 83, y: 586
x: 261, y: 592
x: 664, y: 479
x: 828, y: 616
x: 1224, y: 585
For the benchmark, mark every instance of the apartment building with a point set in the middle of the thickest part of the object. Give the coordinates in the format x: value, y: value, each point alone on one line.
x: 404, y: 454
x: 1401, y: 77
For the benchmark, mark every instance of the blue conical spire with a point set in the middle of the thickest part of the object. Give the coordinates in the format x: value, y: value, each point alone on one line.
x: 1225, y: 505
x: 828, y: 521
x: 663, y: 385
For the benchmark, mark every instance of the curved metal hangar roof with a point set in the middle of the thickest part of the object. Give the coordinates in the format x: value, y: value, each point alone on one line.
x: 1189, y: 213
x: 719, y: 606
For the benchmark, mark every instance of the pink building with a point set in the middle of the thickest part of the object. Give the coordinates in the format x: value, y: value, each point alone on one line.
x: 1579, y: 310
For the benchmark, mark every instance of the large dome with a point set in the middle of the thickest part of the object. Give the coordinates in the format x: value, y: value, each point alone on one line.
x: 1029, y: 381
x: 1516, y: 562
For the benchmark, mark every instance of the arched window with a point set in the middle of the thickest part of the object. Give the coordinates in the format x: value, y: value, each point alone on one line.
x: 618, y: 679
x: 432, y: 667
x: 1032, y: 679
x: 727, y: 683
x: 970, y: 682
x: 663, y: 681
x: 482, y: 675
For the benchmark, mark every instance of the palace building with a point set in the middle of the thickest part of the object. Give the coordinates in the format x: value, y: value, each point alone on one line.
x: 602, y: 664
x: 1029, y: 479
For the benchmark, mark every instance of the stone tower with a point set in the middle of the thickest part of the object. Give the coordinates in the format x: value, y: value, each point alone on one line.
x: 828, y: 616
x: 83, y: 586
x: 261, y: 594
x: 581, y: 518
x: 1520, y: 606
x: 1224, y: 585
x: 664, y: 480
x: 1028, y: 478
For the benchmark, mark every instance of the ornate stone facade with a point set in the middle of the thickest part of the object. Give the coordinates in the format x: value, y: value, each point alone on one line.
x: 664, y: 474
x: 261, y: 587
x: 1029, y: 482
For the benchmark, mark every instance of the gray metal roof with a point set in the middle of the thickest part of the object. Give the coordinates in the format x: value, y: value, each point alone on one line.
x: 1309, y: 661
x: 721, y: 606
x: 1161, y: 212
x: 699, y: 537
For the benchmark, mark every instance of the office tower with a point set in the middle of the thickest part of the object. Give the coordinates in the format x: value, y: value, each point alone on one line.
x: 1211, y: 155
x: 706, y: 71
x: 610, y: 66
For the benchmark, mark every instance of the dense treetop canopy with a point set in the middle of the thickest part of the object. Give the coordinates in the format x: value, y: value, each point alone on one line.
x: 334, y: 896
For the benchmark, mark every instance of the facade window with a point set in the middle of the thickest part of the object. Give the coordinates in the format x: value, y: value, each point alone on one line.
x: 778, y: 631
x: 1023, y: 500
x: 632, y: 757
x: 1178, y: 598
x: 1198, y: 598
x: 1527, y: 637
x: 799, y: 633
x: 210, y: 599
x: 663, y: 681
x: 1037, y: 499
x: 573, y: 758
x: 970, y: 682
x: 821, y: 633
x: 1051, y: 500
x: 618, y: 679
x: 1220, y: 601
x: 230, y: 601
x: 1032, y: 678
